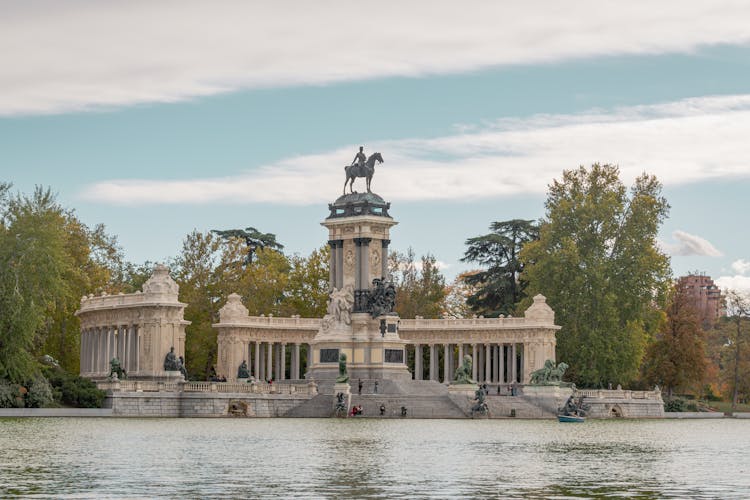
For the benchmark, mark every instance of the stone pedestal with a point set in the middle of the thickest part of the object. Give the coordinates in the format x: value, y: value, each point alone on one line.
x: 548, y: 397
x: 345, y: 389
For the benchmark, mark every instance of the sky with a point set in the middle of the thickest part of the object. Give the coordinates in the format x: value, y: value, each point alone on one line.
x: 158, y: 118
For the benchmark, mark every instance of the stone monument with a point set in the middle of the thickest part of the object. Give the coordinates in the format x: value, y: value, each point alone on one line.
x: 360, y: 322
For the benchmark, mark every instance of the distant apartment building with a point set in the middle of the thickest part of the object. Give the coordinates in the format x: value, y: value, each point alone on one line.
x: 705, y: 294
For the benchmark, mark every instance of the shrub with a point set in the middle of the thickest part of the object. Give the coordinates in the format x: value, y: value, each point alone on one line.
x: 11, y: 395
x: 675, y: 404
x: 72, y: 390
x: 39, y: 393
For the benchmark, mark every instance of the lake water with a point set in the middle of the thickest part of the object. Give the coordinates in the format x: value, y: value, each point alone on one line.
x: 325, y: 458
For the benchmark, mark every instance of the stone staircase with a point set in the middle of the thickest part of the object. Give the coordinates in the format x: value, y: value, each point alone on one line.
x: 429, y: 406
x: 319, y: 406
x: 422, y: 399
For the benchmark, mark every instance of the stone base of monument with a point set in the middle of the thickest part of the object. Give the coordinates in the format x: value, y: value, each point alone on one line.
x: 367, y: 359
x: 548, y: 397
x: 468, y: 389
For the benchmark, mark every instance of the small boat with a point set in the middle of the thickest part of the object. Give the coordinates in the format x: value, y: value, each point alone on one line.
x: 570, y: 418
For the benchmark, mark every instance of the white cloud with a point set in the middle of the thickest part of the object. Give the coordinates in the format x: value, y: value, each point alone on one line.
x: 741, y: 266
x: 681, y: 142
x: 736, y: 282
x: 62, y: 56
x: 690, y: 244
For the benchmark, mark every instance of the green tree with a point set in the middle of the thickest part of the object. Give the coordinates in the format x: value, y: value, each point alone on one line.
x: 499, y: 287
x: 253, y: 239
x: 195, y: 271
x: 308, y: 287
x: 420, y: 288
x: 598, y: 264
x: 33, y: 270
x: 677, y: 358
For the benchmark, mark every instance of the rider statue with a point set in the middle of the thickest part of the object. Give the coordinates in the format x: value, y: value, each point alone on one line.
x: 359, y: 158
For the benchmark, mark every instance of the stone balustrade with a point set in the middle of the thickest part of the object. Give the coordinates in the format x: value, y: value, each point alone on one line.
x: 617, y: 394
x: 202, y: 387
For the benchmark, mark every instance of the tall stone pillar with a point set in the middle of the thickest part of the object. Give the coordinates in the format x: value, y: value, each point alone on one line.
x: 256, y: 363
x: 296, y: 361
x: 384, y: 258
x: 514, y: 365
x: 282, y: 361
x: 269, y: 360
x: 417, y: 361
x: 496, y: 364
x: 487, y: 363
x: 433, y: 359
x: 474, y: 361
x: 501, y: 368
x: 446, y: 364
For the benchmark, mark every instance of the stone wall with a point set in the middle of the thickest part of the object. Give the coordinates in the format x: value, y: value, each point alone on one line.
x: 623, y: 403
x: 185, y: 404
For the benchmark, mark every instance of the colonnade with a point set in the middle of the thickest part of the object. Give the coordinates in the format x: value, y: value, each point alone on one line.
x: 100, y: 344
x: 268, y: 360
x: 492, y: 363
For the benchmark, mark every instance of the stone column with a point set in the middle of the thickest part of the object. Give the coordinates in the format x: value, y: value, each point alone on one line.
x: 487, y: 363
x: 460, y: 354
x: 332, y: 282
x: 357, y: 264
x: 474, y: 360
x: 362, y: 267
x: 269, y: 360
x: 522, y: 355
x: 496, y: 364
x: 256, y: 362
x: 296, y: 361
x: 384, y: 258
x: 433, y: 359
x: 446, y: 364
x: 97, y: 348
x: 451, y: 362
x: 282, y: 361
x: 340, y: 264
x: 261, y: 363
x: 513, y: 366
x: 417, y: 361
x: 501, y: 367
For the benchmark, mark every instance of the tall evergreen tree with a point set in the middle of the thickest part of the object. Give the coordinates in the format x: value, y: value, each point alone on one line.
x: 598, y: 263
x: 499, y: 287
x: 253, y: 238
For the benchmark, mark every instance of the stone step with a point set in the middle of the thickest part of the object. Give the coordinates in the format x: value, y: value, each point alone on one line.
x: 416, y: 406
x: 319, y: 406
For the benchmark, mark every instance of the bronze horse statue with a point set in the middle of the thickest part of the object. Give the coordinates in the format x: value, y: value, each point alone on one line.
x: 366, y: 170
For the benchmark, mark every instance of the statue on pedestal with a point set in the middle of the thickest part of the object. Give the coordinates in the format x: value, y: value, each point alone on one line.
x: 115, y: 370
x: 464, y: 372
x: 171, y: 363
x: 480, y: 405
x: 550, y: 374
x: 361, y: 167
x: 343, y: 376
x: 242, y: 371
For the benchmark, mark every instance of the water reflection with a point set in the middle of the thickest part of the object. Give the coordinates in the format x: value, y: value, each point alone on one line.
x: 129, y: 458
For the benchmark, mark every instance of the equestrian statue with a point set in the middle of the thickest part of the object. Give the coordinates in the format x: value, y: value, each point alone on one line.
x: 361, y: 167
